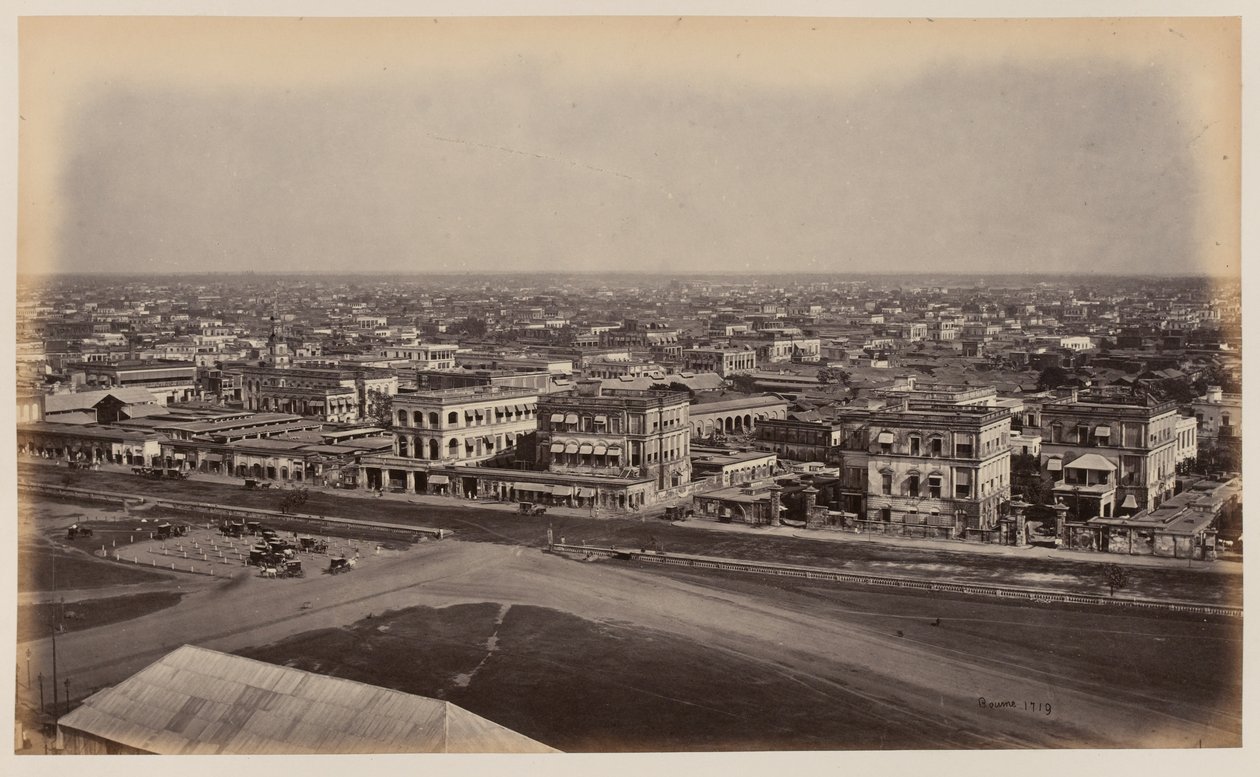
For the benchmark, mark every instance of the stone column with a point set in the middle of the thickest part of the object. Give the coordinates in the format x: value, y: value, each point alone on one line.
x: 1018, y: 506
x: 1060, y: 522
x: 776, y: 492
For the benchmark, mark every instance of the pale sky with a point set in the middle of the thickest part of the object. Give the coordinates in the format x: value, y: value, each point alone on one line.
x: 693, y: 145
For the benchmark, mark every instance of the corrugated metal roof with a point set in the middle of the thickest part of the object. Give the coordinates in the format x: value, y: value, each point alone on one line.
x: 196, y: 700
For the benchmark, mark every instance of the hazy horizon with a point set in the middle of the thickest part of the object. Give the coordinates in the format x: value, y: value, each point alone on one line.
x: 668, y: 146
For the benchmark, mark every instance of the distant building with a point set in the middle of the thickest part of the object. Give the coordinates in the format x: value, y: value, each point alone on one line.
x: 1219, y: 415
x: 723, y: 361
x: 167, y: 381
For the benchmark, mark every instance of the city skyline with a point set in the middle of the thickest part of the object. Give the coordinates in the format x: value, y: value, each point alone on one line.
x: 580, y: 145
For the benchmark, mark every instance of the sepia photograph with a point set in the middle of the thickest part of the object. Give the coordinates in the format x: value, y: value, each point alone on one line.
x: 625, y: 384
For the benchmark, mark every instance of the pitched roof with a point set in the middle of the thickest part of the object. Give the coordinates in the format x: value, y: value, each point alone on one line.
x: 200, y: 701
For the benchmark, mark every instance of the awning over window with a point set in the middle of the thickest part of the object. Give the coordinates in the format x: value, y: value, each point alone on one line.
x: 586, y: 449
x: 935, y: 477
x: 1130, y: 503
x: 571, y: 447
x: 571, y: 418
x: 488, y: 440
x: 562, y: 490
x: 885, y: 438
x: 601, y: 419
x: 600, y: 450
x: 538, y: 487
x: 1054, y: 464
x: 439, y: 480
x: 557, y: 418
x: 479, y: 414
x: 614, y: 450
x: 962, y: 477
x: 585, y: 492
x: 1103, y: 431
x: 557, y: 447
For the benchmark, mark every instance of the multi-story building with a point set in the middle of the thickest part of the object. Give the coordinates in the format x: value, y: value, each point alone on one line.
x: 616, y: 432
x: 773, y: 346
x: 460, y: 425
x: 1131, y: 438
x: 723, y: 361
x: 944, y: 467
x: 1219, y: 415
x: 339, y: 395
x: 168, y: 381
x: 430, y: 356
x: 1187, y: 432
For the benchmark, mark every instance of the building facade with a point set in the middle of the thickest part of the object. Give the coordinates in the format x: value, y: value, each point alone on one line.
x: 1136, y: 437
x: 616, y: 432
x: 940, y: 466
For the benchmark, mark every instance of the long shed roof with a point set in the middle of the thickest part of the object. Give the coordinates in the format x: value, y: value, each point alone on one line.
x: 200, y: 701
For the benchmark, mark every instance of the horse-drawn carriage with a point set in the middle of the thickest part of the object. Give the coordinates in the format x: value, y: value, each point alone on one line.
x: 529, y: 508
x: 338, y: 565
x: 312, y: 545
x: 234, y: 529
x: 292, y: 568
x: 78, y: 531
x: 167, y: 530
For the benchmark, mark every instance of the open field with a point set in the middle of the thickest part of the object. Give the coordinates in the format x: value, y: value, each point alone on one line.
x: 615, y: 684
x: 583, y: 645
x: 35, y: 620
x: 473, y: 522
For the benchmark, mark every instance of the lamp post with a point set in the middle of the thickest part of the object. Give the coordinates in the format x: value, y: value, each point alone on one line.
x: 28, y: 669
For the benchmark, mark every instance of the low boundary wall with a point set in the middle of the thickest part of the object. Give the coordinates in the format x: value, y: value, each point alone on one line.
x: 821, y: 573
x: 229, y: 511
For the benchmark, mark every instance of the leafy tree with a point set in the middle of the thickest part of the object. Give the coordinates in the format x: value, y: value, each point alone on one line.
x: 1115, y: 576
x: 380, y: 408
x: 292, y: 500
x: 1052, y: 377
x: 1029, y: 481
x: 472, y: 327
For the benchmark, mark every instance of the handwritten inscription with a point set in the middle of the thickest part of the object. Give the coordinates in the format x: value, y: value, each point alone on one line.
x: 1040, y: 707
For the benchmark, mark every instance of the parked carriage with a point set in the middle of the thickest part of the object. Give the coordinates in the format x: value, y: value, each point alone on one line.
x: 164, y: 531
x: 529, y: 508
x: 338, y: 565
x: 293, y: 568
x: 78, y: 531
x: 235, y: 529
x: 312, y: 545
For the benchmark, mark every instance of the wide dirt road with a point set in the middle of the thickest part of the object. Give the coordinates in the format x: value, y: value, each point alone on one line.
x: 907, y: 683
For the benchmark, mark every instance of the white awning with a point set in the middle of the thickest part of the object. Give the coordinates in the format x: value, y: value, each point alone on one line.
x: 532, y: 487
x: 562, y: 490
x: 600, y: 450
x: 1130, y: 503
x: 614, y: 450
x: 601, y: 419
x: 586, y: 449
x: 571, y: 418
x: 962, y: 477
x: 557, y: 418
x: 1054, y: 464
x: 557, y: 447
x: 585, y: 492
x: 885, y: 438
x: 439, y: 480
x: 571, y: 448
x: 1102, y: 431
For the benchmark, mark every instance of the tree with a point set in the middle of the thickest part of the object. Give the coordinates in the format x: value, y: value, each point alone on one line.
x: 1115, y: 576
x: 1052, y: 377
x: 380, y: 407
x: 473, y: 327
x: 292, y: 500
x: 1029, y: 481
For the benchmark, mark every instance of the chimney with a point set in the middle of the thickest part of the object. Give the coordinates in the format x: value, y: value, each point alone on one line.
x: 589, y: 387
x: 1214, y: 394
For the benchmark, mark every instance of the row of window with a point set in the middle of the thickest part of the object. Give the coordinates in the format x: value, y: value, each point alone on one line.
x: 479, y: 417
